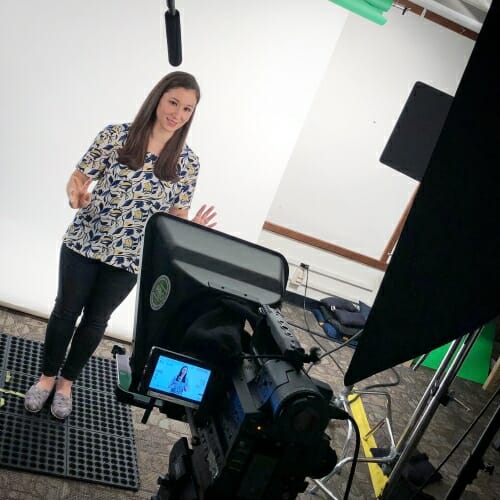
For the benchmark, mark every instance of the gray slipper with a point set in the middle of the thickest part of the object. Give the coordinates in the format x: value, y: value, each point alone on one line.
x: 35, y: 398
x: 61, y: 406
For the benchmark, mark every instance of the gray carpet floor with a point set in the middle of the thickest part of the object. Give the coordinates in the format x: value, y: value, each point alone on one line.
x: 156, y: 438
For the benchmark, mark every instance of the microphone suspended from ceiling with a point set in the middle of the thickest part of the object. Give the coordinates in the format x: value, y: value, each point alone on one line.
x: 173, y: 25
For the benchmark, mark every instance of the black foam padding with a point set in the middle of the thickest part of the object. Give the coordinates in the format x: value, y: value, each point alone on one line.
x: 417, y: 130
x: 95, y: 443
x: 443, y: 278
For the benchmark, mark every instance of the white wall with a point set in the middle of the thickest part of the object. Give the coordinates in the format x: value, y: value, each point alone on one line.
x: 334, y: 187
x: 70, y: 67
x: 328, y: 274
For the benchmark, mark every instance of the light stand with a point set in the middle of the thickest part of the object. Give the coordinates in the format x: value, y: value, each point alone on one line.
x: 400, y: 454
x: 475, y: 461
x: 444, y: 376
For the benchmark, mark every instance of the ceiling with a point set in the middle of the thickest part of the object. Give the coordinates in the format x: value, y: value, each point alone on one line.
x: 468, y: 13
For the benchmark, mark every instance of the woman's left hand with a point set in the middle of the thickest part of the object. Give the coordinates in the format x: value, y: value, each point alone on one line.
x: 205, y: 216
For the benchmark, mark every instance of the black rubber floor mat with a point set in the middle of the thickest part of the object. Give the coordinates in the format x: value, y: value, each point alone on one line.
x: 95, y: 443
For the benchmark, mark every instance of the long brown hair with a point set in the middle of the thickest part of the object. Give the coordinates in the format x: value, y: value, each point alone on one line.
x: 134, y: 150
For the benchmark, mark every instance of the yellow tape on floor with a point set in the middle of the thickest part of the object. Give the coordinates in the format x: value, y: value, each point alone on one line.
x: 358, y: 412
x: 8, y: 377
x: 8, y: 391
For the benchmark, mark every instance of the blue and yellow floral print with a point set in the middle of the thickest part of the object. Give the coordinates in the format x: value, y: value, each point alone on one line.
x: 110, y: 229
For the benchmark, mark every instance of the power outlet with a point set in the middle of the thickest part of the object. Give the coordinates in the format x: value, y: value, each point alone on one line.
x: 298, y: 276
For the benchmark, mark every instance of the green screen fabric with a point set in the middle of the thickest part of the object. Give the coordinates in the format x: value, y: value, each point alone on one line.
x: 476, y: 366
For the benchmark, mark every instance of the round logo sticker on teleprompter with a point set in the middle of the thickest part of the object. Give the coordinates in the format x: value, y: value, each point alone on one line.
x: 159, y: 292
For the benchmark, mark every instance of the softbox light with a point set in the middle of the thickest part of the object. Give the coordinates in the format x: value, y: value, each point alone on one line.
x: 444, y: 276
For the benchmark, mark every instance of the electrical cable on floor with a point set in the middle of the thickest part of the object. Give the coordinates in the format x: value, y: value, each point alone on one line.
x: 331, y: 357
x: 316, y: 334
x: 343, y: 344
x: 354, y: 337
x: 304, y: 302
x: 355, y: 457
x: 340, y: 346
x: 331, y: 351
x: 381, y: 385
x: 309, y: 330
x: 459, y: 442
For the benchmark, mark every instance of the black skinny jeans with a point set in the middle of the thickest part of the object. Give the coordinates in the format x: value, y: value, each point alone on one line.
x: 85, y: 285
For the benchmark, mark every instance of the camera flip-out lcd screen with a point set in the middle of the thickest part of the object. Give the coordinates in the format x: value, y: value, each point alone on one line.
x: 176, y: 378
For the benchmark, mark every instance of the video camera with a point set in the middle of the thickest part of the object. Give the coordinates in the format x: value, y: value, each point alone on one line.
x: 212, y: 348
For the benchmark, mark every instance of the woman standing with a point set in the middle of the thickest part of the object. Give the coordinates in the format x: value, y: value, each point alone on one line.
x: 140, y: 169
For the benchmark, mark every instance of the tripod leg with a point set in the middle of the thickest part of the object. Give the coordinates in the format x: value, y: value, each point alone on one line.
x: 474, y: 463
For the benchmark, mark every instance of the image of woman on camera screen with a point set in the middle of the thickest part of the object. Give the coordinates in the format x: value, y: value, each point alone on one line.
x: 179, y: 383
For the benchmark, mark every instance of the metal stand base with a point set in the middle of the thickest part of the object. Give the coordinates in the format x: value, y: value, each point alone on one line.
x: 398, y: 459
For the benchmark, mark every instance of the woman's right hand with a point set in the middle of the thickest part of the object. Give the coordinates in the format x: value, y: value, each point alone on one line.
x: 78, y: 193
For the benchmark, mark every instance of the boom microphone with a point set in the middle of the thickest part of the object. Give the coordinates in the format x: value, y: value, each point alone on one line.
x: 173, y: 24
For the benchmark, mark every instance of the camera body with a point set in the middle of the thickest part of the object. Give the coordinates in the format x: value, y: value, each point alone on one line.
x: 259, y: 428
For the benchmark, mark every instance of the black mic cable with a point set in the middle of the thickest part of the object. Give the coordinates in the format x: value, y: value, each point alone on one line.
x: 173, y: 25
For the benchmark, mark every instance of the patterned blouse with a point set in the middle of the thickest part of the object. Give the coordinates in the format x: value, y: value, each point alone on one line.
x: 111, y: 227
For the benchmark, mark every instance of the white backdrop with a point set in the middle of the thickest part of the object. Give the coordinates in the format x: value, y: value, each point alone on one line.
x: 70, y: 67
